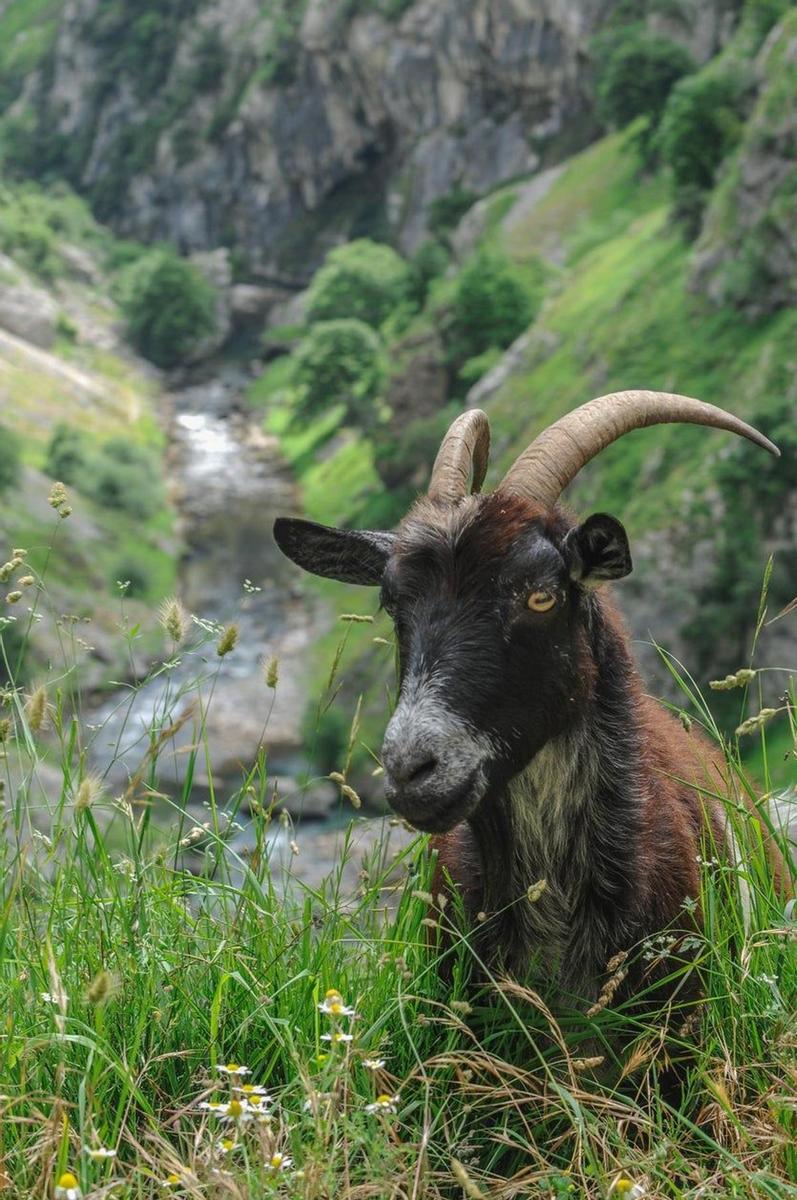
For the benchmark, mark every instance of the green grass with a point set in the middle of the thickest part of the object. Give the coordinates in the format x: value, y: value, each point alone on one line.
x: 131, y: 969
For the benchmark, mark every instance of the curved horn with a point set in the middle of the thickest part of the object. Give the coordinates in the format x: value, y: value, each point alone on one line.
x: 463, y: 454
x: 555, y: 457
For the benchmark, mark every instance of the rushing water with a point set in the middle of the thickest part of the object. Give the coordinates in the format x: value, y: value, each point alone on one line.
x: 229, y: 482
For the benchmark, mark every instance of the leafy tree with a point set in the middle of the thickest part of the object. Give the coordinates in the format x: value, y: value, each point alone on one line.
x: 700, y: 125
x: 10, y: 458
x: 168, y: 304
x: 67, y: 455
x: 363, y: 280
x: 429, y: 262
x: 340, y: 362
x: 125, y: 476
x: 491, y: 307
x: 636, y: 77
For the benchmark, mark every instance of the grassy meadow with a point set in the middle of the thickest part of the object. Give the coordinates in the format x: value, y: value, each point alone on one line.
x: 149, y: 975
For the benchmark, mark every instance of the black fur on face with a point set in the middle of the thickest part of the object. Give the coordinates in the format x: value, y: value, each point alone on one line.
x: 492, y: 606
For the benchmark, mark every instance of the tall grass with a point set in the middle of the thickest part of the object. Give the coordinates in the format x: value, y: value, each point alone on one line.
x: 139, y: 954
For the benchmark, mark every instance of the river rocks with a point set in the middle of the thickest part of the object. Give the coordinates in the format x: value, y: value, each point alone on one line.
x: 30, y: 313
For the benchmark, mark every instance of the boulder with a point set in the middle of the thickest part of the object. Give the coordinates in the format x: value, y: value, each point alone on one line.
x: 30, y: 313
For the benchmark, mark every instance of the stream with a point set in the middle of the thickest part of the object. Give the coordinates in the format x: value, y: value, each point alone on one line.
x: 229, y: 482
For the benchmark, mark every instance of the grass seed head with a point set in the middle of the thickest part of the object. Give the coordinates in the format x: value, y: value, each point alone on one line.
x: 227, y: 641
x: 88, y: 793
x: 36, y: 708
x: 272, y: 672
x: 469, y: 1187
x: 58, y: 496
x: 101, y: 988
x: 174, y: 619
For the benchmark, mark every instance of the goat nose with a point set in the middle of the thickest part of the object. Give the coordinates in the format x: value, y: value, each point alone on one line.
x: 410, y: 764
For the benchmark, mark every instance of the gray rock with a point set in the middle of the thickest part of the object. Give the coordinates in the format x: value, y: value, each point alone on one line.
x: 30, y: 313
x: 365, y: 113
x: 215, y: 266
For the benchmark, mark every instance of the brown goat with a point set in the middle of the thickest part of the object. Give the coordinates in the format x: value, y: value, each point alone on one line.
x: 522, y: 738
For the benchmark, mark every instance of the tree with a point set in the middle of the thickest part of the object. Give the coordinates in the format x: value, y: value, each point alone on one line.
x: 637, y: 76
x: 700, y: 125
x: 126, y: 477
x: 67, y: 455
x: 340, y: 362
x: 491, y: 307
x: 363, y: 280
x: 168, y: 304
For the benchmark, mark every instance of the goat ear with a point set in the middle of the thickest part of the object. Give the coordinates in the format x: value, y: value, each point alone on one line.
x: 598, y: 550
x: 349, y: 555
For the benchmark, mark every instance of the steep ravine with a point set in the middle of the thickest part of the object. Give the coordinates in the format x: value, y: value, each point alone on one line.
x: 281, y: 129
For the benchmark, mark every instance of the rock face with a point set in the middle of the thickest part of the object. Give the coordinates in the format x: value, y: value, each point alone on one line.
x: 747, y: 254
x: 283, y: 132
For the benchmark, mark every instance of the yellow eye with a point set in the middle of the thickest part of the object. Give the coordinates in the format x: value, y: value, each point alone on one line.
x: 541, y: 601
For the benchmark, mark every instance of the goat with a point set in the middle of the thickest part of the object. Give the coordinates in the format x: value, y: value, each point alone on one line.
x: 522, y: 738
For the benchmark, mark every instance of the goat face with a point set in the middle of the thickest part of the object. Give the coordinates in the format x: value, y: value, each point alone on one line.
x: 490, y: 600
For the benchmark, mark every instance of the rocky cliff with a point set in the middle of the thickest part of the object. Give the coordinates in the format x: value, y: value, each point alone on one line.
x: 281, y: 128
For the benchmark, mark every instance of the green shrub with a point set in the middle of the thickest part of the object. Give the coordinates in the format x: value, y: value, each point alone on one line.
x: 10, y: 458
x: 125, y: 476
x: 446, y: 211
x: 168, y: 304
x: 636, y: 77
x: 26, y: 237
x: 701, y: 124
x: 67, y: 457
x: 491, y: 307
x: 429, y: 262
x: 364, y: 280
x: 340, y: 362
x: 135, y: 573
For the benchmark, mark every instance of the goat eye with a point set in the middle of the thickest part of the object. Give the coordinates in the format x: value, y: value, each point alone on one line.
x: 540, y: 601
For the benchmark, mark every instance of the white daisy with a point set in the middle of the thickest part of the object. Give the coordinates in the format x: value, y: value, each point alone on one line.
x: 99, y: 1153
x: 279, y: 1162
x: 383, y: 1104
x: 234, y: 1069
x: 333, y: 1006
x: 227, y: 1146
x: 252, y: 1090
x: 67, y: 1187
x: 373, y: 1064
x: 337, y: 1036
